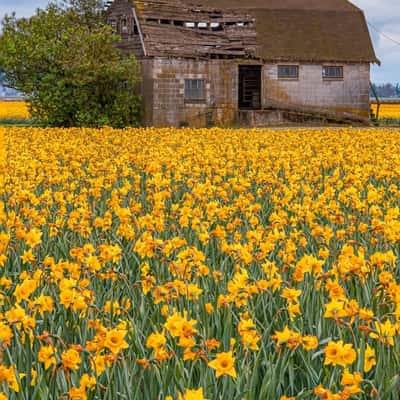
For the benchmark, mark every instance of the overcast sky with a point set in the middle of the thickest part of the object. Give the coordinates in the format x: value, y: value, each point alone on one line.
x: 383, y: 14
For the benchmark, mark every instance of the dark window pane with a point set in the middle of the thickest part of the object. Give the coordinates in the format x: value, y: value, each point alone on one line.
x: 332, y: 72
x: 195, y: 89
x: 124, y: 25
x: 288, y: 71
x: 135, y: 29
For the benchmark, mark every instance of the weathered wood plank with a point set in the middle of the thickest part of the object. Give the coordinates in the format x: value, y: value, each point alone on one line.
x: 162, y: 34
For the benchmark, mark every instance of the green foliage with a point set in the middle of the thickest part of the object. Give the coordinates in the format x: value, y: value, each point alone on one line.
x: 64, y: 61
x: 15, y: 122
x: 389, y: 122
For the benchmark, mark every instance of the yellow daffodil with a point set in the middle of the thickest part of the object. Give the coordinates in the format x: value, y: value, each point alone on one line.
x: 224, y: 364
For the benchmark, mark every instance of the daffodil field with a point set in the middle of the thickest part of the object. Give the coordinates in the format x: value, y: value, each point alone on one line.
x: 179, y: 264
x: 14, y: 110
x: 389, y: 111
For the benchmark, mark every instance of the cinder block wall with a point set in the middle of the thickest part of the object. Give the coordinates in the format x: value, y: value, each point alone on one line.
x: 164, y: 82
x: 169, y: 107
x: 351, y: 94
x: 147, y: 90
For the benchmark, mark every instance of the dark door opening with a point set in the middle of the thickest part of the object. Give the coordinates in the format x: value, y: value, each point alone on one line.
x: 249, y: 87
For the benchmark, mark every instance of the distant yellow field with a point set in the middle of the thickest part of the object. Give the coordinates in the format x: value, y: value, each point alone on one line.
x: 14, y: 110
x: 388, y: 110
x: 19, y: 110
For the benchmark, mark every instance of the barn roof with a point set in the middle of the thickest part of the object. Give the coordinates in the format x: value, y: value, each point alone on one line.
x: 273, y: 30
x: 314, y: 35
x: 310, y: 30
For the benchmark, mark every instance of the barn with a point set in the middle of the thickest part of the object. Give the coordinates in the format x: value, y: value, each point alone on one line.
x: 250, y: 62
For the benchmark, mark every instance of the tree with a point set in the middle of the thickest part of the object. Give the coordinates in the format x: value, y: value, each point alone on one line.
x: 397, y: 90
x: 91, y: 12
x: 64, y: 61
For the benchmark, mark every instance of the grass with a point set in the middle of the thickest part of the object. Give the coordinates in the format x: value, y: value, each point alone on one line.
x: 16, y: 122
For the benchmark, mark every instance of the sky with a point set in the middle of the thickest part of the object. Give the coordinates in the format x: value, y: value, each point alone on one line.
x: 383, y: 15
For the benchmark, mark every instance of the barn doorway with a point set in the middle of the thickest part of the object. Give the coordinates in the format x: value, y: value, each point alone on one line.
x: 249, y: 87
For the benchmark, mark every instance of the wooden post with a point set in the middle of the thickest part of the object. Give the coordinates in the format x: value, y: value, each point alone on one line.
x: 139, y: 30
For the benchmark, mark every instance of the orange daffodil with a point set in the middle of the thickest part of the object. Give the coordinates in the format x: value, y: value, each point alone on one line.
x: 157, y: 341
x: 338, y: 353
x: 86, y: 383
x: 249, y: 335
x: 294, y: 339
x: 114, y: 340
x: 33, y: 237
x: 292, y: 297
x: 7, y: 376
x: 369, y: 358
x: 385, y: 332
x: 351, y: 383
x: 192, y: 395
x: 224, y: 364
x: 46, y: 355
x: 71, y: 359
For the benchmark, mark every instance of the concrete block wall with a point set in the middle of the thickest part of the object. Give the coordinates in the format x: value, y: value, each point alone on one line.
x: 169, y: 107
x: 350, y: 94
x: 164, y: 83
x: 147, y: 90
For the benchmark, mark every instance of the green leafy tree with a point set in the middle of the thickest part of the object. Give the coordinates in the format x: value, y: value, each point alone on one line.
x: 64, y: 60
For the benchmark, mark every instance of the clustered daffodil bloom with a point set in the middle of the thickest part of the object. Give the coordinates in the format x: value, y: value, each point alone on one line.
x: 199, y: 264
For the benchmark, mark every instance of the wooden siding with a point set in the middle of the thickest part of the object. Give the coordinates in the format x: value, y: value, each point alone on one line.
x: 163, y: 23
x: 130, y: 41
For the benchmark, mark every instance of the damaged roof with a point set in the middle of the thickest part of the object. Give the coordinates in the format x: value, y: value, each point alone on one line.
x: 173, y: 28
x: 271, y: 30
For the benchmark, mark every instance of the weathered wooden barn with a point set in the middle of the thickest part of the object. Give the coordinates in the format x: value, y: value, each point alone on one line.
x: 253, y: 62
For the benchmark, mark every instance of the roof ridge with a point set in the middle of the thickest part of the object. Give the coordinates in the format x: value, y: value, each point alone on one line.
x: 334, y: 5
x: 353, y: 5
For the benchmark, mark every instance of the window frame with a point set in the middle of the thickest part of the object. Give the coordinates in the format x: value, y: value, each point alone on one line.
x: 114, y: 24
x: 194, y: 94
x: 288, y: 76
x: 134, y: 28
x: 124, y: 26
x: 334, y: 77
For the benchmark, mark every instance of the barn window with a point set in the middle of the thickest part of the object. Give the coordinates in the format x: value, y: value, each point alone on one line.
x: 113, y: 24
x: 288, y: 71
x: 135, y: 29
x: 195, y: 89
x: 332, y: 72
x: 216, y: 26
x: 124, y: 25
